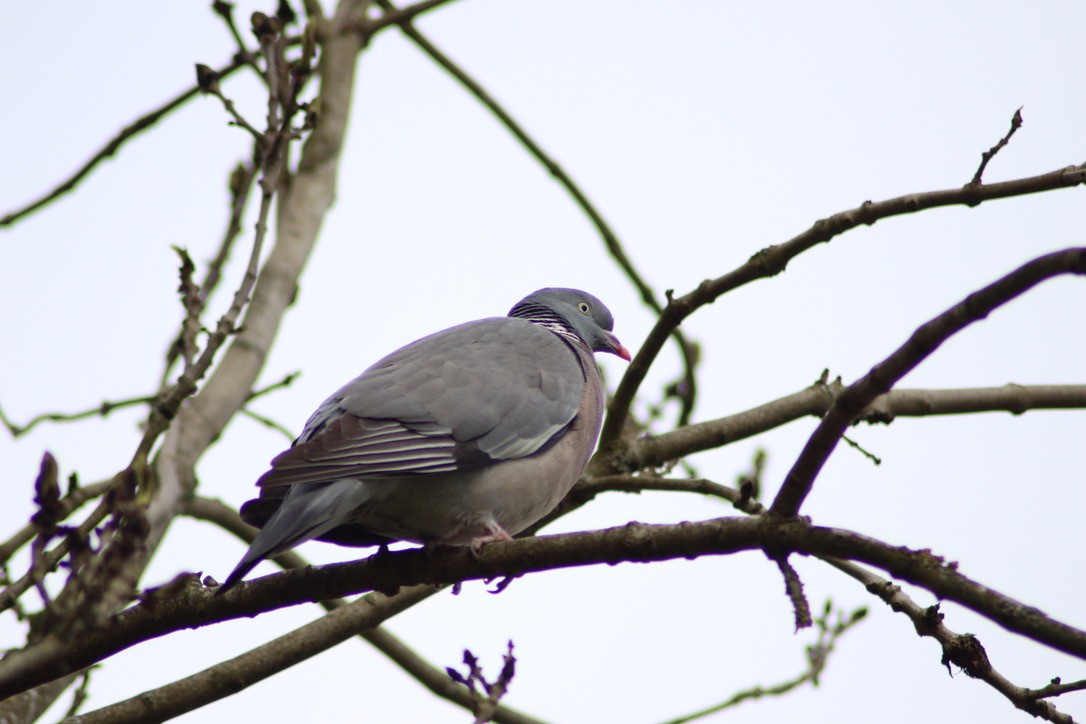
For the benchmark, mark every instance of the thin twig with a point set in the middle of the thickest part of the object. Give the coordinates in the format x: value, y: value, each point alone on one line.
x: 71, y: 502
x: 818, y: 655
x: 123, y: 136
x: 1016, y: 123
x: 392, y: 16
x: 268, y: 422
x: 862, y: 450
x: 1057, y: 688
x: 102, y: 410
x: 793, y: 586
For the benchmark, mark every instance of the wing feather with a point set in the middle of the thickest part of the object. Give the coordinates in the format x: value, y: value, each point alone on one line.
x: 496, y: 389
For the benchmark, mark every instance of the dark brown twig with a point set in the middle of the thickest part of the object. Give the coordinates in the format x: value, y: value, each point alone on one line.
x: 793, y: 586
x: 71, y: 502
x: 773, y: 260
x: 1016, y: 123
x: 924, y: 341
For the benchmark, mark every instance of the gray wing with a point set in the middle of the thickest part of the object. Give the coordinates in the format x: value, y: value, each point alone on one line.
x: 494, y: 389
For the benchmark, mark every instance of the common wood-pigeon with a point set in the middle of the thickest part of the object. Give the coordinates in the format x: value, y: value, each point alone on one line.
x: 467, y: 436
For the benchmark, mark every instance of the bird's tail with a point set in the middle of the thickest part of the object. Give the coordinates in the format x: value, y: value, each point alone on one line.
x: 309, y: 510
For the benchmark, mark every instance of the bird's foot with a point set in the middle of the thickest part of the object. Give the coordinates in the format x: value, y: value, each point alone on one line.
x: 495, y: 534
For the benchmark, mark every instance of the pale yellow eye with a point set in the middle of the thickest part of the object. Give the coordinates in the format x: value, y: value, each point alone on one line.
x: 583, y: 307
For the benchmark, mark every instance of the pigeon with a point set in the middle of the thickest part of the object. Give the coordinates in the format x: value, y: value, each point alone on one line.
x: 464, y: 437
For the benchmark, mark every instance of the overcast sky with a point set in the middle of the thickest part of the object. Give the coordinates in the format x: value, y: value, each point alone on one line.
x: 704, y: 131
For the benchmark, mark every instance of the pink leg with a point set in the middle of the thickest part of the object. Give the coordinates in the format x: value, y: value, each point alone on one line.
x: 495, y: 533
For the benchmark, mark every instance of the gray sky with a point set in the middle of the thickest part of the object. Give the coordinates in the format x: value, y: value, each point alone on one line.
x: 704, y: 131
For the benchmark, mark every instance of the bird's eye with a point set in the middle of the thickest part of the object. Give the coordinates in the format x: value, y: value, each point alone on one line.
x: 583, y: 307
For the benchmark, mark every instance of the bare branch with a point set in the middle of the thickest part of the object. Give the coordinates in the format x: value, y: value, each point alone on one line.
x: 229, y: 677
x: 818, y: 655
x: 1016, y: 123
x: 655, y: 451
x: 772, y: 261
x: 793, y: 586
x: 112, y: 146
x: 191, y: 605
x: 929, y: 622
x: 857, y: 396
x: 923, y: 619
x: 72, y: 501
x: 402, y: 16
x: 1058, y: 688
x: 102, y: 410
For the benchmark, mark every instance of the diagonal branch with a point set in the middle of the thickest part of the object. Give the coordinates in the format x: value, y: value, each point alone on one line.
x: 229, y: 677
x: 924, y: 341
x: 112, y: 146
x: 773, y: 259
x: 929, y: 622
x: 926, y: 621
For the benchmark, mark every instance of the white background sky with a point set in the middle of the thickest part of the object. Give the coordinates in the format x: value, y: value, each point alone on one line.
x: 704, y: 131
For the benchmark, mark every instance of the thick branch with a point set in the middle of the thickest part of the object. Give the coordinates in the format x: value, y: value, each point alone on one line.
x: 191, y: 605
x: 851, y: 403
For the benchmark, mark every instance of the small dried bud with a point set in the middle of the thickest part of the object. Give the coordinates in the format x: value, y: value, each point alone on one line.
x: 238, y: 180
x: 266, y: 28
x: 223, y: 8
x: 285, y: 12
x: 207, y: 79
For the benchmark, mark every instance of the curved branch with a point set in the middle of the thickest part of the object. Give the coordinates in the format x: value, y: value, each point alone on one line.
x: 188, y: 604
x: 923, y: 342
x: 928, y: 622
x: 773, y: 259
